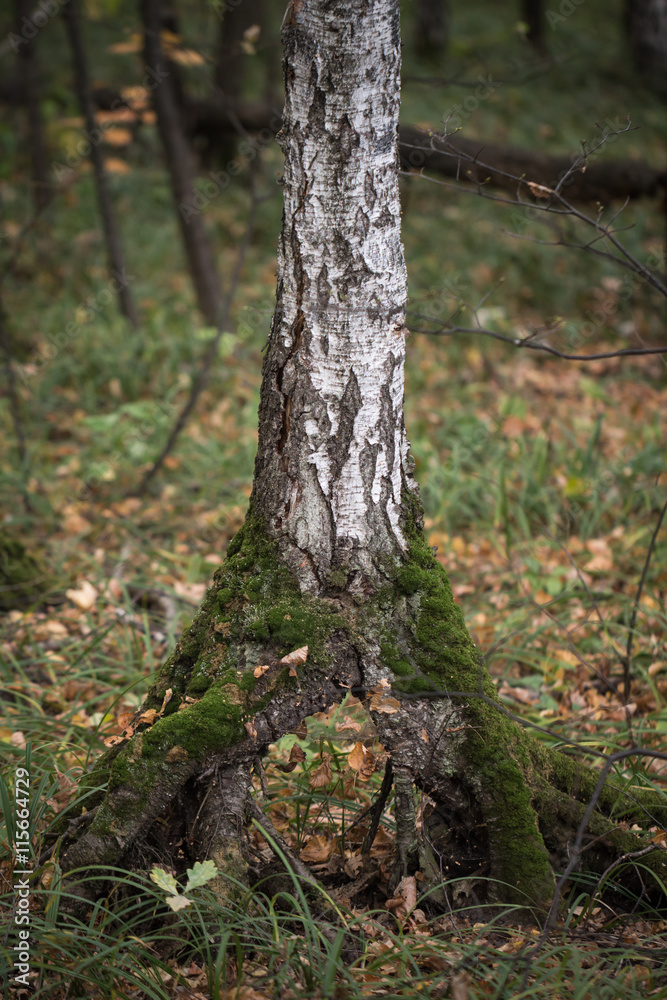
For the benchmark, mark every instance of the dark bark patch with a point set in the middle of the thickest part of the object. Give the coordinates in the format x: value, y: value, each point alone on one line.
x: 338, y: 446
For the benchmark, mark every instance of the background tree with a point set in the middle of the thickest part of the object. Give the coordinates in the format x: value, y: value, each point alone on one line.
x: 111, y: 233
x: 646, y: 24
x: 179, y: 159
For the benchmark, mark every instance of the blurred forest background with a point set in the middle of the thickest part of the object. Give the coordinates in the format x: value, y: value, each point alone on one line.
x: 141, y: 206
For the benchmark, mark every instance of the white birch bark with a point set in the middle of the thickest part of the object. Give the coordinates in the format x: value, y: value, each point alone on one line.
x: 333, y: 454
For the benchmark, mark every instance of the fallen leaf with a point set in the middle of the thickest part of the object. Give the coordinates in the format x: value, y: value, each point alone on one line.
x: 405, y: 898
x: 318, y: 849
x: 362, y: 760
x: 84, y: 596
x: 321, y: 776
x: 250, y: 730
x: 296, y: 757
x: 458, y: 986
x: 261, y: 669
x: 190, y: 591
x: 386, y: 705
x: 348, y: 723
x: 297, y: 657
x: 148, y: 717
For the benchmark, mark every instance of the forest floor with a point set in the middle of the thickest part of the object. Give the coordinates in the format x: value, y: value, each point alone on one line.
x: 543, y: 482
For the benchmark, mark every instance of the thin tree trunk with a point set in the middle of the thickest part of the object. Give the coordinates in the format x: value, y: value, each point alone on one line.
x: 333, y: 556
x: 532, y: 13
x: 432, y: 27
x: 30, y: 94
x: 178, y: 156
x: 239, y: 16
x: 94, y: 138
x: 646, y: 26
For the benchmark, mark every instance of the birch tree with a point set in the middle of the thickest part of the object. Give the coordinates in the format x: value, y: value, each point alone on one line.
x: 332, y: 555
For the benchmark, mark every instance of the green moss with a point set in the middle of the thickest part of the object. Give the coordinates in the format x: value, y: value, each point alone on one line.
x: 413, y: 685
x: 199, y: 683
x: 224, y: 596
x: 337, y: 578
x: 410, y: 579
x: 213, y: 724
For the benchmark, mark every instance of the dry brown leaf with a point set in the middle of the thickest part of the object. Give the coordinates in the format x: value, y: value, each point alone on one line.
x: 297, y: 657
x: 165, y: 701
x: 459, y: 986
x: 186, y: 57
x: 405, y: 898
x: 135, y: 43
x: 321, y: 776
x: 190, y: 591
x: 348, y: 724
x: 250, y: 730
x: 302, y: 732
x: 318, y: 849
x: 357, y: 756
x: 362, y: 760
x: 148, y: 717
x: 83, y: 596
x: 539, y: 190
x: 386, y: 705
x: 261, y: 669
x: 297, y: 756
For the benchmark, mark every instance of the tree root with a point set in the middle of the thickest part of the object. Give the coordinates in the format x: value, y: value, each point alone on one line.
x: 505, y: 807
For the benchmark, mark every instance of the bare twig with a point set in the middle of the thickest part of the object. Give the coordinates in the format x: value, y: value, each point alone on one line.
x: 627, y: 663
x: 211, y: 351
x: 264, y: 823
x: 378, y: 807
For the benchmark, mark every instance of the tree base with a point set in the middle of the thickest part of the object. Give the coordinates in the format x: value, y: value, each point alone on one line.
x: 505, y: 806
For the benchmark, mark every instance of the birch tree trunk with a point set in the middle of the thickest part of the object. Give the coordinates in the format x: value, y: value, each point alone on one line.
x: 646, y: 24
x: 332, y: 554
